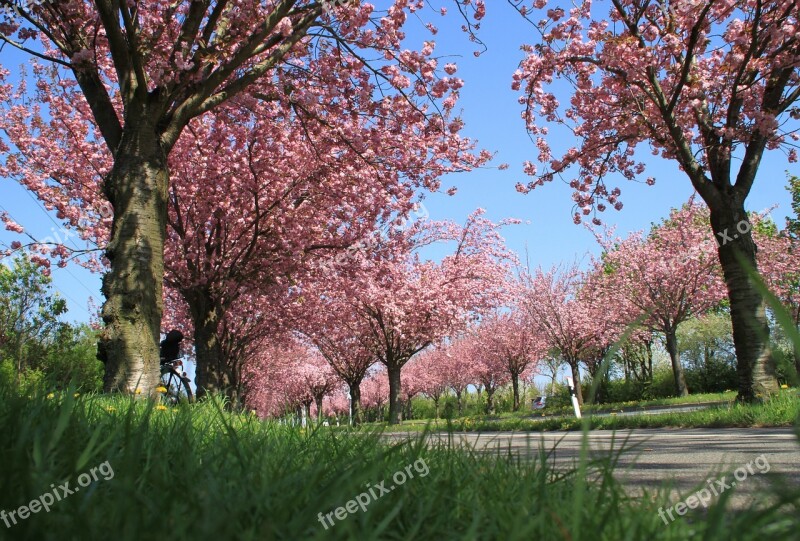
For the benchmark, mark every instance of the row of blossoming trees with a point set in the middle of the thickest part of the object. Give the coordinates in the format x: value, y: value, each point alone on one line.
x: 641, y: 288
x: 245, y: 164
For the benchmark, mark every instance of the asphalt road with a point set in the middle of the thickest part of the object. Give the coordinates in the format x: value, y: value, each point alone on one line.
x: 684, y: 458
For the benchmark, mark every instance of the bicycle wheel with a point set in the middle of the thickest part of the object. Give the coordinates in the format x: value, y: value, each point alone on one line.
x: 177, y: 386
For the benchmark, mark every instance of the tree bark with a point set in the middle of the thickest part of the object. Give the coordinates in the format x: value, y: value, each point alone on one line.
x: 355, y: 401
x: 675, y: 357
x: 137, y: 191
x: 754, y: 363
x: 458, y: 402
x: 318, y: 401
x: 211, y: 374
x: 489, y: 400
x: 395, y: 411
x: 515, y: 387
x: 576, y: 379
x: 409, y: 408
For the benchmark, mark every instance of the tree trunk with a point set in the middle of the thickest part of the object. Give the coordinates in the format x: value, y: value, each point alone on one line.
x: 409, y: 411
x: 355, y: 401
x: 576, y: 380
x: 515, y: 387
x: 318, y: 401
x: 674, y: 356
x: 489, y: 400
x: 137, y: 190
x: 458, y: 402
x: 211, y: 374
x: 395, y: 411
x: 436, y: 407
x: 754, y: 364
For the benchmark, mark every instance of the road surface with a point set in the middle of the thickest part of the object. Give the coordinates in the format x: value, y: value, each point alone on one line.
x: 687, y: 458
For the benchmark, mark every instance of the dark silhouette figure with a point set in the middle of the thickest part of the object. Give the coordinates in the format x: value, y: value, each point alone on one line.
x: 171, y: 346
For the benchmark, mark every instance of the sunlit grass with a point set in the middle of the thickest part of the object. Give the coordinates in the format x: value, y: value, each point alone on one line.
x: 197, y: 472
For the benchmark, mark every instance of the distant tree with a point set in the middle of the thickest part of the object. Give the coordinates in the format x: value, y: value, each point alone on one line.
x: 29, y: 313
x: 708, y: 353
x: 72, y: 359
x: 667, y: 276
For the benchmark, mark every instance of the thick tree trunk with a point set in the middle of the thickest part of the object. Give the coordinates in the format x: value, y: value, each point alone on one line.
x: 755, y: 366
x: 576, y: 379
x: 211, y: 374
x: 674, y: 356
x: 515, y: 387
x: 137, y: 191
x: 355, y: 401
x: 395, y: 410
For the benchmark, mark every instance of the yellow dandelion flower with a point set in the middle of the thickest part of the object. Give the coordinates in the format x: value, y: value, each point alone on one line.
x: 161, y: 389
x: 784, y: 386
x: 76, y: 395
x: 161, y: 407
x: 50, y: 395
x: 138, y: 390
x: 111, y: 409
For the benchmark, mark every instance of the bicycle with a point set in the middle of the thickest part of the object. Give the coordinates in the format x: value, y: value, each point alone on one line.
x: 175, y: 382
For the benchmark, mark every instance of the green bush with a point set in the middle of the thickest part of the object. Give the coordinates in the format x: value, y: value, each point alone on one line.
x: 715, y: 376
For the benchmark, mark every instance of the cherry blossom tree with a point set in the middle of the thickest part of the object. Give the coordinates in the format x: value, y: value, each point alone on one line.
x: 146, y: 70
x: 488, y: 362
x: 270, y: 377
x: 667, y: 277
x: 289, y: 375
x: 710, y: 85
x: 286, y: 192
x: 515, y: 340
x: 425, y: 367
x: 376, y: 392
x: 342, y: 339
x: 457, y: 368
x: 565, y: 320
x: 409, y: 304
x: 411, y: 384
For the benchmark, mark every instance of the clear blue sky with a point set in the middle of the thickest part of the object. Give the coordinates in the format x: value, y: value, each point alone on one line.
x: 492, y: 115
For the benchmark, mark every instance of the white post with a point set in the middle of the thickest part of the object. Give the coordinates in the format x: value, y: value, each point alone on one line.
x: 574, y: 397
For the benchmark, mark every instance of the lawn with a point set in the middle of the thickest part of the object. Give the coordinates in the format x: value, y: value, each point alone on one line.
x: 136, y: 471
x: 783, y: 410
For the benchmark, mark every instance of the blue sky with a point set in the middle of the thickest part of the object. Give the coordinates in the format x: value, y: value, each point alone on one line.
x: 492, y: 115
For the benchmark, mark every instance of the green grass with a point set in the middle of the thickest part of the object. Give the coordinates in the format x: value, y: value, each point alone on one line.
x: 196, y: 472
x: 783, y: 410
x: 699, y: 398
